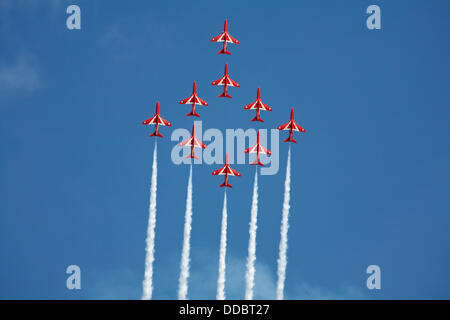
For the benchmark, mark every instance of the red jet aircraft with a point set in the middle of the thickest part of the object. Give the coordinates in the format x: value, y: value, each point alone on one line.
x: 194, y: 99
x: 225, y: 81
x: 258, y: 105
x: 291, y: 126
x: 157, y: 120
x: 192, y: 142
x: 226, y: 170
x: 257, y: 148
x: 225, y: 37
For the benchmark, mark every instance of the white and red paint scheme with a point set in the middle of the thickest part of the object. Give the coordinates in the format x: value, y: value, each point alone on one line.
x: 257, y: 148
x: 194, y: 100
x: 291, y: 126
x: 226, y: 170
x: 226, y: 82
x: 157, y: 120
x: 192, y: 142
x: 258, y: 105
x: 225, y: 38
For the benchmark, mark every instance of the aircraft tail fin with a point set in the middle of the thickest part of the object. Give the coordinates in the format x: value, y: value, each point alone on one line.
x: 193, y: 156
x: 257, y: 162
x: 257, y: 118
x: 226, y: 184
x: 224, y: 50
x: 193, y: 113
x: 290, y: 139
x: 156, y: 134
x: 224, y: 94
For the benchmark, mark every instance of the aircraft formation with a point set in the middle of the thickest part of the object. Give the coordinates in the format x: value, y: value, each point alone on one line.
x: 194, y: 100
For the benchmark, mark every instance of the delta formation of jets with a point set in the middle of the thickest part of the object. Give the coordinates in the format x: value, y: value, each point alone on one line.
x: 195, y: 100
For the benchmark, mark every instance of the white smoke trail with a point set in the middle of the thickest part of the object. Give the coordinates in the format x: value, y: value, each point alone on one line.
x: 150, y: 240
x: 250, y: 273
x: 184, y: 266
x: 282, y: 259
x: 223, y: 251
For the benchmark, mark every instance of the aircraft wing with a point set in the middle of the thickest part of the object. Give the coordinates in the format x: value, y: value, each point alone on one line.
x: 157, y: 119
x: 163, y: 122
x: 150, y: 121
x: 219, y: 38
x: 194, y: 99
x: 187, y: 142
x: 225, y: 37
x: 232, y: 83
x: 251, y: 105
x: 257, y: 148
x: 226, y: 169
x: 258, y: 105
x: 286, y: 126
x: 296, y: 127
x: 231, y: 39
x: 201, y: 101
x: 192, y: 141
x: 264, y: 150
x: 219, y: 82
x: 265, y: 107
x: 188, y: 100
x: 291, y: 125
x: 197, y: 143
x: 251, y: 149
x: 233, y: 172
x: 220, y: 171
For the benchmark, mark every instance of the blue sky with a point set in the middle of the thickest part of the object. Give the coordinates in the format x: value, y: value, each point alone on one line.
x: 370, y: 178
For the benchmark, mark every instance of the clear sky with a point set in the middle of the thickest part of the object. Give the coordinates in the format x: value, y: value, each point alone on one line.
x: 370, y: 177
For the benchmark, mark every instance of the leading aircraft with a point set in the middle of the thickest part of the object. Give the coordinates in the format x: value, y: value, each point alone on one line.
x: 257, y: 148
x: 258, y: 105
x: 226, y: 170
x: 192, y: 142
x: 291, y: 126
x: 157, y: 120
x: 225, y: 81
x: 225, y: 37
x: 194, y: 99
